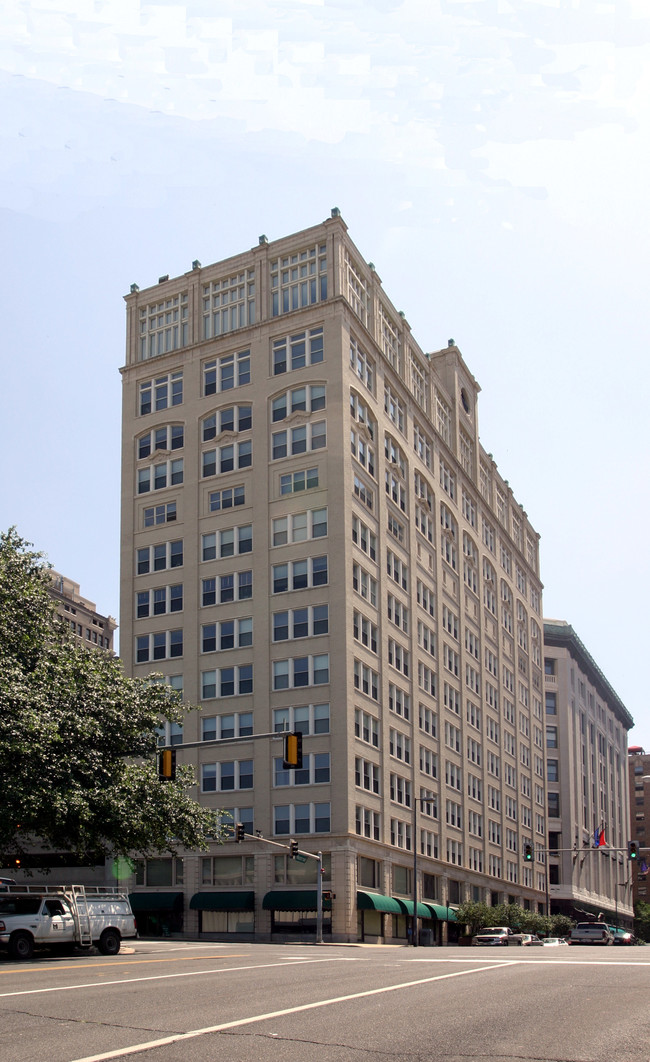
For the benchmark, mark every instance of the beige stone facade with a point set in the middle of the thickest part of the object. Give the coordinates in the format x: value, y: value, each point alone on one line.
x: 81, y: 615
x: 314, y: 537
x: 586, y: 739
x: 639, y: 787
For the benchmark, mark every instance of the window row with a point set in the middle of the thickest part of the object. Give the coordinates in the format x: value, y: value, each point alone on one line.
x: 315, y: 771
x: 299, y: 440
x: 227, y: 634
x: 300, y: 623
x: 301, y: 671
x: 163, y: 645
x: 156, y: 477
x: 168, y: 437
x: 227, y: 776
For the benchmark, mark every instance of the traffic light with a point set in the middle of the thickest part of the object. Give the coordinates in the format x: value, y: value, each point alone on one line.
x: 292, y: 752
x: 293, y: 849
x: 632, y: 849
x: 240, y: 832
x: 167, y: 765
x: 528, y: 853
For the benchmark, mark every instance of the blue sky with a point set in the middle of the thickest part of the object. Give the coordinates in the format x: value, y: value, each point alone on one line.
x: 489, y: 157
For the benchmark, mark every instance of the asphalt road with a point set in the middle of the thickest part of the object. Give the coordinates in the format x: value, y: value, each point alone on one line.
x: 167, y: 1001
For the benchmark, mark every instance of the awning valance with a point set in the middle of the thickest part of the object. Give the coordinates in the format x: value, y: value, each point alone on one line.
x: 444, y: 914
x: 407, y: 908
x: 374, y: 901
x: 156, y: 901
x: 223, y: 901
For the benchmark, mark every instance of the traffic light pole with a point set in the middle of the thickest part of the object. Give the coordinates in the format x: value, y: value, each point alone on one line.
x: 293, y: 851
x: 319, y: 892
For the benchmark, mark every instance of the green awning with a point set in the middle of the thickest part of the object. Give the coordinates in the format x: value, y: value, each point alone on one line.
x: 156, y: 901
x: 293, y: 900
x: 445, y: 914
x: 223, y: 901
x: 407, y: 908
x: 374, y: 901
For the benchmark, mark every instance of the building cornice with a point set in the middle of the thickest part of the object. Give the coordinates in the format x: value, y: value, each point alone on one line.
x: 563, y: 636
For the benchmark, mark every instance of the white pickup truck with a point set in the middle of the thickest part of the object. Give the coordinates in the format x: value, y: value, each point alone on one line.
x: 495, y: 936
x: 591, y: 933
x: 63, y: 917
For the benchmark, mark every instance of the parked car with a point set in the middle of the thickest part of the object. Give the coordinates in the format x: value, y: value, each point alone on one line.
x: 529, y: 940
x: 497, y: 936
x: 554, y: 942
x: 622, y: 936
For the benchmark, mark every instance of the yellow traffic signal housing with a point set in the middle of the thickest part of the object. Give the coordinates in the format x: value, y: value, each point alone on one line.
x: 167, y: 765
x: 292, y: 752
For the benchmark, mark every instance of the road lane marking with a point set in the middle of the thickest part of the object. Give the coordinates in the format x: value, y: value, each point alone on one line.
x: 547, y: 960
x: 165, y: 977
x: 194, y: 1033
x: 129, y: 962
x: 550, y: 960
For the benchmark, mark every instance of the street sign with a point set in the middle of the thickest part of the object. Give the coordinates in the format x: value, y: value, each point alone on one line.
x: 300, y: 858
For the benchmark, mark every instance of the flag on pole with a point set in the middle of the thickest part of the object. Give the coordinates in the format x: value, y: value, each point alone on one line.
x: 599, y: 837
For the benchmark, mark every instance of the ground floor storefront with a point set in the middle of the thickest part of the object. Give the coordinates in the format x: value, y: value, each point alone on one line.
x: 265, y: 890
x: 289, y: 914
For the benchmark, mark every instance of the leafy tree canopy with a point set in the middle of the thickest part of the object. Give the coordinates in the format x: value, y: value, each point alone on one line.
x: 77, y: 737
x: 476, y: 915
x: 642, y: 920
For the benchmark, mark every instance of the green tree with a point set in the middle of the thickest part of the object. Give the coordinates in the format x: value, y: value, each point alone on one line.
x: 533, y: 922
x: 77, y: 737
x: 642, y: 920
x: 561, y: 925
x: 474, y: 915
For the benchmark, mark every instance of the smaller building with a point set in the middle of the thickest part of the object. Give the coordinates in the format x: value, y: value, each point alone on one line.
x: 639, y: 781
x: 85, y: 622
x: 587, y: 791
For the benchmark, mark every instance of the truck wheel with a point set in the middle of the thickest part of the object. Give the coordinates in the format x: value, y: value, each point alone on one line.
x: 109, y: 942
x: 21, y: 946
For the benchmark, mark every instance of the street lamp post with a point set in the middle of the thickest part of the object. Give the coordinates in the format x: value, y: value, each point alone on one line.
x: 618, y: 885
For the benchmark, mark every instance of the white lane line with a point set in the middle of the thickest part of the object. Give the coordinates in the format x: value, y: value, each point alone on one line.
x: 151, y: 945
x: 163, y: 977
x: 549, y: 961
x: 194, y: 1033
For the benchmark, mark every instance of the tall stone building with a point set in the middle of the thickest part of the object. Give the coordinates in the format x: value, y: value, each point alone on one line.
x: 588, y: 803
x: 639, y: 783
x: 313, y: 538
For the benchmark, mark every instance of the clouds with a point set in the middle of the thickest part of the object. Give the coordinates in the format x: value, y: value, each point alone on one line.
x: 489, y: 156
x: 324, y: 70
